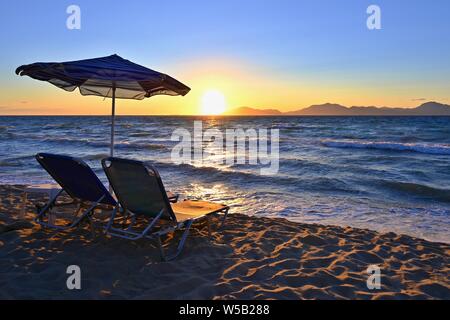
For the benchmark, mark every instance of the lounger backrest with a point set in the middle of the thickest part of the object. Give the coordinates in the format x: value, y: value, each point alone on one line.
x: 75, y: 177
x: 138, y: 187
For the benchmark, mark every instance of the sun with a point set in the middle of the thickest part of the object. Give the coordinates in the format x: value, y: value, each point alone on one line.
x: 213, y: 102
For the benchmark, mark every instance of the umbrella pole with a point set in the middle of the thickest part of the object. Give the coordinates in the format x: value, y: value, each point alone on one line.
x: 113, y: 118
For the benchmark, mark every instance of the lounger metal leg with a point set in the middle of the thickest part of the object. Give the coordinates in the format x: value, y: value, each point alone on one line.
x: 184, y: 237
x: 111, y: 220
x: 132, y: 235
x: 208, y: 223
x: 182, y: 242
x: 47, y: 207
x: 78, y: 209
x: 223, y: 220
x: 160, y: 248
x: 125, y: 218
x: 74, y: 223
x: 133, y: 221
x: 128, y: 234
x: 85, y: 213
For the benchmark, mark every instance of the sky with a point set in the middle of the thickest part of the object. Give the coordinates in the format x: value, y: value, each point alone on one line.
x: 283, y: 54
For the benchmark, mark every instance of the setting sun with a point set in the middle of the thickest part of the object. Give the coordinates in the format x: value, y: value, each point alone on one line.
x: 213, y: 102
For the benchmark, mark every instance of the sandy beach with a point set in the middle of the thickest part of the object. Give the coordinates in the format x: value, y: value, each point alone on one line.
x: 252, y: 258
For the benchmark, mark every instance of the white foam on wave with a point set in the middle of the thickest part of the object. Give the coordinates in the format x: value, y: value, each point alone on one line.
x: 428, y: 148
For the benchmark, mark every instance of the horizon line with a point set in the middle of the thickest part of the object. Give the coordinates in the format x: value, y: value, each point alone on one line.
x: 221, y: 115
x: 281, y: 113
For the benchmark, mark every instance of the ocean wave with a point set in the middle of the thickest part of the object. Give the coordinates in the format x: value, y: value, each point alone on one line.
x: 16, y: 161
x: 140, y: 134
x: 66, y: 125
x: 105, y: 144
x: 128, y: 145
x: 6, y: 163
x: 427, y: 148
x: 140, y: 145
x: 217, y: 173
x: 252, y: 177
x: 418, y: 189
x: 98, y: 156
x: 63, y: 140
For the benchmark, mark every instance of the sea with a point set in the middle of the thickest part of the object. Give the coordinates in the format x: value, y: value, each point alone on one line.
x: 389, y: 174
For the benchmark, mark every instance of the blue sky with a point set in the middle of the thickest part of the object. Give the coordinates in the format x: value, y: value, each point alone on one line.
x: 320, y: 44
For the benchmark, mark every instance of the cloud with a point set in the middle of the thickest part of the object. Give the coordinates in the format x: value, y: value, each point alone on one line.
x: 419, y: 99
x: 16, y: 109
x: 31, y: 110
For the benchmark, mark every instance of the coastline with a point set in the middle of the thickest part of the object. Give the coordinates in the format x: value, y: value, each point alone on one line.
x: 252, y: 258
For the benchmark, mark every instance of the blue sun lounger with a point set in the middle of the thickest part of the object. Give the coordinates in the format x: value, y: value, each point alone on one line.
x: 140, y: 193
x: 78, y: 181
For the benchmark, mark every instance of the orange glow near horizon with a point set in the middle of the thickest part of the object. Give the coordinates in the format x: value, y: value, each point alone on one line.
x: 236, y: 84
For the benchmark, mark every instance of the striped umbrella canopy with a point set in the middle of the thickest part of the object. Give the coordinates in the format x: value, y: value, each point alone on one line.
x: 109, y: 77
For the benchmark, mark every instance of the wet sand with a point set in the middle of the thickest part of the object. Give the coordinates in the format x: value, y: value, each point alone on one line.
x: 251, y: 258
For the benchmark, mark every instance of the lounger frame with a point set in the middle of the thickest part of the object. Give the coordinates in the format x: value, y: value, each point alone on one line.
x: 127, y: 232
x: 86, y: 215
x: 86, y: 207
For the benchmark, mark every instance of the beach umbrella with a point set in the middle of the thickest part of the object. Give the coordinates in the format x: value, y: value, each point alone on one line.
x: 111, y: 77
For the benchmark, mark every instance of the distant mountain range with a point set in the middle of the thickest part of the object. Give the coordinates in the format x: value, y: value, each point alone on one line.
x: 330, y: 109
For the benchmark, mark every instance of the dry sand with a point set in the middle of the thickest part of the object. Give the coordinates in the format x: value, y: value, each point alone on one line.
x: 252, y: 258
